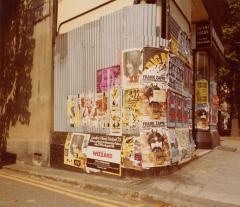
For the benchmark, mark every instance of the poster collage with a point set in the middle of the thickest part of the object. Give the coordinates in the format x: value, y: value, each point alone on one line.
x: 144, y: 106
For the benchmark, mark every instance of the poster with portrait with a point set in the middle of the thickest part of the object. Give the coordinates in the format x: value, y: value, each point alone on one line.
x: 202, y: 116
x: 104, y: 153
x: 131, y: 107
x: 155, y: 148
x: 171, y: 109
x: 153, y: 100
x: 155, y: 65
x: 131, y: 153
x: 182, y: 136
x: 132, y: 66
x: 179, y: 107
x: 176, y: 72
x: 173, y: 145
x: 115, y: 111
x: 88, y: 112
x: 75, y: 150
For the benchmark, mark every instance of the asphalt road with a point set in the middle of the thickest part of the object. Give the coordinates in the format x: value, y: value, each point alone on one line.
x: 19, y: 190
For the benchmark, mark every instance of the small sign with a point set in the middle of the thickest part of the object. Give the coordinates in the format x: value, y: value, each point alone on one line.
x: 104, y: 153
x: 203, y: 35
x: 201, y: 93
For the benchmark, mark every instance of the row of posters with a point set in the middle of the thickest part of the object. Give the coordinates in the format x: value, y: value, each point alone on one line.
x: 143, y: 107
x: 93, y: 153
x: 108, y: 154
x: 179, y: 111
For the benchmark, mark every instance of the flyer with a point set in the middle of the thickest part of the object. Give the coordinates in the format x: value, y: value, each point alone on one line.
x: 132, y: 66
x: 104, y: 153
x: 102, y: 110
x: 173, y: 145
x: 182, y: 136
x: 131, y: 104
x: 88, y: 112
x: 115, y: 111
x: 131, y: 152
x: 155, y: 148
x: 75, y: 149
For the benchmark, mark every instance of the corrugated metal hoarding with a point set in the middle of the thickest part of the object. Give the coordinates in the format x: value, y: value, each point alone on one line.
x: 81, y: 52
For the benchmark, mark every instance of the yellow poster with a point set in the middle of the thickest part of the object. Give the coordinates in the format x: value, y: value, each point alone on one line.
x: 131, y: 110
x: 201, y: 92
x: 115, y: 111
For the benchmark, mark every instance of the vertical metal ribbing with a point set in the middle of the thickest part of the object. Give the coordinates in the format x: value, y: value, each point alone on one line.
x: 82, y: 51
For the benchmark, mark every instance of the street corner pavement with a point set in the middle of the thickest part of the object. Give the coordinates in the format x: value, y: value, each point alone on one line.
x: 210, y: 180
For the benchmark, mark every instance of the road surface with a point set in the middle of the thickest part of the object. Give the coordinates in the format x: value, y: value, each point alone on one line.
x: 20, y: 190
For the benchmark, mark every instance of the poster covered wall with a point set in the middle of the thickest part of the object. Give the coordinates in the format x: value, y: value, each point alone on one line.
x: 142, y: 113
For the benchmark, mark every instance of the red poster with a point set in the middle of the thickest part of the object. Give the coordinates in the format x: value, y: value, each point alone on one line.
x: 171, y: 109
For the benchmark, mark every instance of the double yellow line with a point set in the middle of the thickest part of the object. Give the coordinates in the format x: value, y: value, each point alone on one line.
x: 92, y: 199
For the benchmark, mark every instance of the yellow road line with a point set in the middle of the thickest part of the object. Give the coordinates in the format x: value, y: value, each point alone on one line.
x: 74, y: 194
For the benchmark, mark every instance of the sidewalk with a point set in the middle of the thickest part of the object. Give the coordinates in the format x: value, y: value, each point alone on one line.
x: 211, y: 180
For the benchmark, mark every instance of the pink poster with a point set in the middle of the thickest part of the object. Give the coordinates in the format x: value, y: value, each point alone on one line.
x: 102, y: 80
x: 114, y: 76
